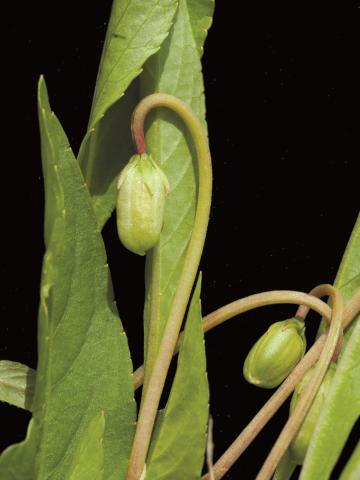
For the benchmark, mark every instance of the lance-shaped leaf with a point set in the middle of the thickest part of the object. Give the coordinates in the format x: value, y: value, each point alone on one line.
x: 17, y: 383
x: 175, y: 69
x: 285, y: 468
x: 352, y: 468
x: 135, y: 32
x: 88, y: 459
x: 340, y: 411
x: 348, y: 276
x: 84, y: 365
x: 178, y: 446
x: 342, y: 406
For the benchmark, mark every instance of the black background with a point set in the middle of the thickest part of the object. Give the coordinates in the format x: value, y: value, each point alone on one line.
x: 283, y: 113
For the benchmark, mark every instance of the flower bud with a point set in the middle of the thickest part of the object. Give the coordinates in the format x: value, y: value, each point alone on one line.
x: 276, y: 353
x: 142, y: 190
x: 300, y: 442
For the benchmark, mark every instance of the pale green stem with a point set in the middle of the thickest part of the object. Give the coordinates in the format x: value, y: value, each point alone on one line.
x: 152, y: 394
x: 249, y: 303
x: 304, y: 404
x: 237, y: 307
x: 268, y: 410
x: 278, y: 398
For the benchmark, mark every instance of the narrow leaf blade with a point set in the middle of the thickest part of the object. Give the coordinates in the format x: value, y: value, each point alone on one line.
x: 178, y: 448
x: 352, y: 468
x: 84, y: 363
x: 342, y: 406
x: 340, y: 411
x: 348, y: 275
x: 285, y: 468
x: 17, y: 382
x: 135, y: 32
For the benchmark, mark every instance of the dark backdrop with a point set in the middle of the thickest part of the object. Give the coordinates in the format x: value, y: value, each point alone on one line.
x: 282, y: 107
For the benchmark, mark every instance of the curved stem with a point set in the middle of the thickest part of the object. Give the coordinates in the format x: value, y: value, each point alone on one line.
x: 278, y: 398
x: 295, y: 420
x: 227, y: 460
x: 351, y: 309
x: 265, y: 299
x: 245, y: 304
x: 217, y: 317
x: 152, y: 394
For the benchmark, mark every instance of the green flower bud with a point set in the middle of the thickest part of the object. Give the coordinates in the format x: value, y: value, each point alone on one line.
x: 300, y: 442
x: 142, y: 190
x: 276, y: 353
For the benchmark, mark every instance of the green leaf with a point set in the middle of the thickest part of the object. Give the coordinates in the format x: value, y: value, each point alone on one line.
x: 352, y: 468
x: 350, y: 263
x: 84, y: 365
x: 135, y: 32
x: 200, y: 16
x: 89, y: 456
x: 348, y: 275
x: 285, y: 468
x: 178, y: 445
x: 17, y: 384
x: 348, y: 289
x: 340, y: 411
x: 175, y: 69
x: 342, y: 407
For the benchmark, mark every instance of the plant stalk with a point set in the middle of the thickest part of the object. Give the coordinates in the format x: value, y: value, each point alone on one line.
x: 304, y: 404
x: 246, y: 304
x: 151, y: 395
x: 239, y: 445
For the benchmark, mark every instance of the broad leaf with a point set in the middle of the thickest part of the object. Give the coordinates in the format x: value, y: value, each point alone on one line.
x: 88, y: 459
x: 352, y: 468
x: 135, y: 32
x: 175, y: 69
x: 342, y: 406
x: 17, y: 383
x: 83, y: 358
x: 178, y: 445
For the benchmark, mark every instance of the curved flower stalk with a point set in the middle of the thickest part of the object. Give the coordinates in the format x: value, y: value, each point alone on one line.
x: 152, y: 393
x: 246, y: 304
x: 304, y: 404
x: 229, y: 457
x: 323, y: 351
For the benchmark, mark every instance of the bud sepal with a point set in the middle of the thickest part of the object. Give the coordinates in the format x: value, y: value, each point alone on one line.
x: 276, y: 353
x: 142, y: 189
